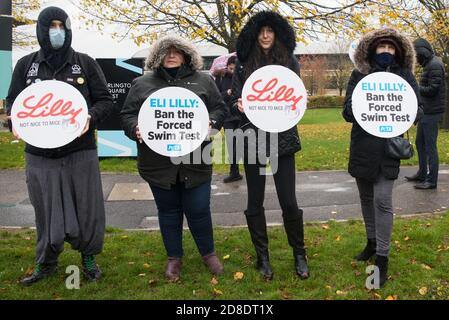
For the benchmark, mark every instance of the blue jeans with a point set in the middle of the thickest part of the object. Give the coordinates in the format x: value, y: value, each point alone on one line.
x: 195, y: 204
x: 426, y: 145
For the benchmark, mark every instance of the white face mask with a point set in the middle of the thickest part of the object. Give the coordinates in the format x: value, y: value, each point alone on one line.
x: 57, y: 38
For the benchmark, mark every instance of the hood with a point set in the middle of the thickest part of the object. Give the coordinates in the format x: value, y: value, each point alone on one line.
x: 43, y: 27
x: 248, y: 36
x: 160, y: 49
x: 365, y: 49
x: 424, y: 48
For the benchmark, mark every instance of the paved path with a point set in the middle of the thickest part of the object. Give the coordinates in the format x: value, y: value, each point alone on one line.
x: 323, y: 195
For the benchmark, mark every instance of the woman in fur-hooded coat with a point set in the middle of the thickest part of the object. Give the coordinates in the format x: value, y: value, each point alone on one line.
x: 383, y: 50
x: 268, y: 39
x: 178, y: 188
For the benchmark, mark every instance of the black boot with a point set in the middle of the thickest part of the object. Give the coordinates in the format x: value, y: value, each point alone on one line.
x: 90, y: 268
x: 294, y: 227
x: 368, y: 252
x: 257, y: 227
x: 382, y: 264
x: 301, y: 267
x: 41, y: 271
x: 234, y: 174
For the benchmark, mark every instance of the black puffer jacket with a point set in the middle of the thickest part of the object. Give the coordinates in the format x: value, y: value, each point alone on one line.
x: 288, y: 141
x: 156, y: 169
x: 367, y: 157
x: 432, y: 85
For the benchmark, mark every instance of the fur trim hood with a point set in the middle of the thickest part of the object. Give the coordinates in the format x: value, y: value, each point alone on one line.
x: 364, y: 49
x: 160, y: 49
x: 248, y: 36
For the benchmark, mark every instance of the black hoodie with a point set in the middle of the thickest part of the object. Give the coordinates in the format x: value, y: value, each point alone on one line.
x: 432, y: 86
x: 64, y: 64
x: 55, y: 57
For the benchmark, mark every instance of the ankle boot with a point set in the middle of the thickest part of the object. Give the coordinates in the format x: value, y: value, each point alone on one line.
x: 301, y: 267
x: 293, y: 224
x: 382, y: 264
x: 173, y: 269
x: 257, y: 227
x: 41, y: 271
x: 214, y: 264
x: 368, y: 252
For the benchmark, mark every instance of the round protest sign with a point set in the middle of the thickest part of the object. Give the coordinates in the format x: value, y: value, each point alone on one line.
x: 384, y: 104
x: 173, y: 121
x: 274, y: 98
x: 49, y: 114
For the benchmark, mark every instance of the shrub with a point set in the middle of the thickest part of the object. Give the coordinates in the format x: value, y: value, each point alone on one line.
x: 315, y: 102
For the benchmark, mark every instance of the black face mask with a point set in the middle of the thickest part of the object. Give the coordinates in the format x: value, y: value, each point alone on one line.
x: 384, y: 59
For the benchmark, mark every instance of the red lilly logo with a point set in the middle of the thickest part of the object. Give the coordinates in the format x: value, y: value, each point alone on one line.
x: 273, y: 92
x: 46, y: 107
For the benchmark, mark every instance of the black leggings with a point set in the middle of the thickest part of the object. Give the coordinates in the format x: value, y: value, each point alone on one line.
x: 285, y: 182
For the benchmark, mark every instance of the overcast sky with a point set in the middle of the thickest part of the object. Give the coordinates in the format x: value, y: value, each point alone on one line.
x: 91, y: 42
x: 99, y: 45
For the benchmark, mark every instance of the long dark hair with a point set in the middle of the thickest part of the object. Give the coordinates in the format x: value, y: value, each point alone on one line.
x: 278, y: 54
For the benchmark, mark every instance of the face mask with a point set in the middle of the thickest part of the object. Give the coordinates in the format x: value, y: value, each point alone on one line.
x: 384, y: 59
x: 57, y: 38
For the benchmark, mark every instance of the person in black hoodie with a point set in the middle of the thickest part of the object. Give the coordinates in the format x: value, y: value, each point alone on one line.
x: 224, y: 85
x: 64, y: 184
x: 178, y: 188
x: 267, y: 38
x: 383, y: 50
x: 433, y: 92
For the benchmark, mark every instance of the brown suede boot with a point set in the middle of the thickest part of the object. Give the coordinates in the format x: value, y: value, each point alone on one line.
x: 214, y: 264
x: 173, y: 269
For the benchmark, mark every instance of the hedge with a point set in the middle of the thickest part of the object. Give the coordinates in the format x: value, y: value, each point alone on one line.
x: 315, y: 102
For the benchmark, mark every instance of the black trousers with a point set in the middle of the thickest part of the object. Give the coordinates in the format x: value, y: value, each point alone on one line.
x: 231, y: 143
x: 285, y: 182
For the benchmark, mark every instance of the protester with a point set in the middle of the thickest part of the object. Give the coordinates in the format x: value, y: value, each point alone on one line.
x: 224, y: 85
x: 183, y: 188
x: 64, y: 184
x: 433, y: 92
x: 383, y: 50
x: 267, y: 38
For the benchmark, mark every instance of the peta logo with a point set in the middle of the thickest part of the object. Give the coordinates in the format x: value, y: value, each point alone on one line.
x: 76, y: 69
x: 386, y: 129
x: 174, y: 147
x: 34, y: 69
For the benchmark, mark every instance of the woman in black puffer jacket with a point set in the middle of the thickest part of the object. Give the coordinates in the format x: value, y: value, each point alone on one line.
x: 268, y: 39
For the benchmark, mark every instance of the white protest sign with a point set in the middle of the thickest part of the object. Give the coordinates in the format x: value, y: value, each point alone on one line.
x: 173, y: 121
x: 384, y: 104
x: 274, y: 98
x: 49, y: 114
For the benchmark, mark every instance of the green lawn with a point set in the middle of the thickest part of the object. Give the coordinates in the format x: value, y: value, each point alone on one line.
x: 324, y: 137
x: 133, y: 264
